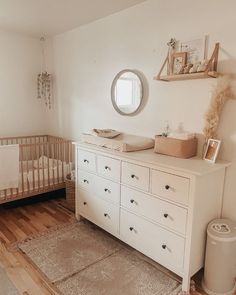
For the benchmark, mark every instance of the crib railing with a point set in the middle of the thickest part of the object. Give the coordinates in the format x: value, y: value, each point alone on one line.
x: 44, y: 163
x: 34, y: 139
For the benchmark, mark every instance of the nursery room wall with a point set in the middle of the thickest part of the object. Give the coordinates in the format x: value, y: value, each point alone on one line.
x: 87, y: 59
x: 20, y: 111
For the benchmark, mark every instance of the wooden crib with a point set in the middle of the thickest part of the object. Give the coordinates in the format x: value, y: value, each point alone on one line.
x: 44, y: 163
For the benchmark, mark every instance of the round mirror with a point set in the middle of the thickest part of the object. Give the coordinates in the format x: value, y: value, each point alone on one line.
x: 127, y: 92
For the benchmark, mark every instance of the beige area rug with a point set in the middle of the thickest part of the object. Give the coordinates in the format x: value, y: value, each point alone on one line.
x: 6, y: 286
x: 84, y: 260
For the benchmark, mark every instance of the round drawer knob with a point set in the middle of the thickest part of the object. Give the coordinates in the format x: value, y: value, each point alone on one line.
x: 166, y: 215
x: 167, y: 187
x: 132, y: 176
x: 131, y: 228
x: 105, y: 215
x: 107, y: 168
x: 131, y: 201
x: 86, y: 161
x: 164, y: 247
x: 86, y: 181
x: 106, y: 190
x: 85, y: 203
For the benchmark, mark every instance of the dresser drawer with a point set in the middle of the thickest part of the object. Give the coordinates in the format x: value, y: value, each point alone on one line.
x: 135, y: 175
x: 104, y: 188
x: 170, y: 186
x: 161, y: 245
x: 86, y: 181
x: 98, y: 211
x: 86, y: 160
x: 107, y: 189
x: 150, y: 207
x: 108, y: 167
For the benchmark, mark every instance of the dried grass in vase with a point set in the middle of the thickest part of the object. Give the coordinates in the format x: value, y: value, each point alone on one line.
x: 220, y: 95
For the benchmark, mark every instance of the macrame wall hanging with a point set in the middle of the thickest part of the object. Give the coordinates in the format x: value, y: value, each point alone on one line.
x: 44, y: 80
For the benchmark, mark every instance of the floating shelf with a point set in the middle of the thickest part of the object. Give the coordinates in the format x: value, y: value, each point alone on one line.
x: 202, y: 75
x: 210, y: 72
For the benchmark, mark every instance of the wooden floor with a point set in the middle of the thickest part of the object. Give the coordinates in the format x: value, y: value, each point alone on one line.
x: 17, y: 224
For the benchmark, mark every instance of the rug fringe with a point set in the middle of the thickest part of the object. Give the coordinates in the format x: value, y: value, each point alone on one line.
x: 13, y: 247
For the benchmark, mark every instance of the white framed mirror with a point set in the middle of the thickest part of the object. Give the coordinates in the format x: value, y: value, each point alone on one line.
x: 127, y: 92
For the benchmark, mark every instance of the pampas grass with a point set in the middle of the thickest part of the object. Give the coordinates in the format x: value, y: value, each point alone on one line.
x: 220, y: 95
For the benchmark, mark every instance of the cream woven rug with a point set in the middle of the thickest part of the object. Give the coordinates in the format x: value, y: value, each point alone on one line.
x: 6, y: 286
x: 84, y: 260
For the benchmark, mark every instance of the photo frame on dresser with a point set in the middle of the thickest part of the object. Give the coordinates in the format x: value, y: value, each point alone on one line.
x: 212, y: 150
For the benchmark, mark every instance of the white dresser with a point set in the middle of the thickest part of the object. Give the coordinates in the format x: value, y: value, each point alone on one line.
x: 157, y: 204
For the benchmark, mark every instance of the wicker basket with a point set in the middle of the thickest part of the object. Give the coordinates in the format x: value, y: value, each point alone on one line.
x: 70, y: 193
x: 176, y: 147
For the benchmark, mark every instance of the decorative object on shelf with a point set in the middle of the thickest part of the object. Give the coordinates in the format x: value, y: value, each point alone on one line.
x: 194, y: 68
x: 187, y: 68
x: 171, y: 44
x: 220, y: 95
x: 181, y: 71
x: 203, y: 65
x: 44, y: 80
x: 178, y: 62
x: 212, y: 150
x: 208, y: 68
x: 196, y: 49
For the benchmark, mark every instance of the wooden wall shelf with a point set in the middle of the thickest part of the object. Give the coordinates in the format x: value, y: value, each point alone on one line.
x: 210, y: 72
x: 201, y: 75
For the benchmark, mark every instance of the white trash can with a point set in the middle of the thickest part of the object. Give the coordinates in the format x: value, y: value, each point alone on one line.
x: 220, y: 262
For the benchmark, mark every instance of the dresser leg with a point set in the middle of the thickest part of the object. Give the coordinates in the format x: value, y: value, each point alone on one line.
x: 78, y: 217
x: 186, y: 284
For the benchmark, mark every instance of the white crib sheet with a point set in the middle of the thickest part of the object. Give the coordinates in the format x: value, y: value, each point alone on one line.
x: 33, y: 178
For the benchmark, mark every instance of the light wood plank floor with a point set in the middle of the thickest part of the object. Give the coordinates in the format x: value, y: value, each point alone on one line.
x: 18, y: 223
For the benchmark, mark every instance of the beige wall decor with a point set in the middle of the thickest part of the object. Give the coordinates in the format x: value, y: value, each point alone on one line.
x: 220, y: 95
x: 44, y: 80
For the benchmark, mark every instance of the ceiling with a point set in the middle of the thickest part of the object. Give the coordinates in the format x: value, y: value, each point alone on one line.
x: 50, y: 17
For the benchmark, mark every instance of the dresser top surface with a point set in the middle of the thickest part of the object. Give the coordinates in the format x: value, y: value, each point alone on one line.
x: 194, y: 166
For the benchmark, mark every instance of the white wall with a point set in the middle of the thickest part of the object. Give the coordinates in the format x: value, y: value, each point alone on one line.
x: 87, y: 59
x: 20, y: 111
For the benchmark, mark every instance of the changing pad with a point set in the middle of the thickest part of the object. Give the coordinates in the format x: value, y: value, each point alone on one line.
x: 123, y: 142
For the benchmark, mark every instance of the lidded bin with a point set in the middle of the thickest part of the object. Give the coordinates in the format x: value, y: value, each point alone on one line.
x: 220, y: 262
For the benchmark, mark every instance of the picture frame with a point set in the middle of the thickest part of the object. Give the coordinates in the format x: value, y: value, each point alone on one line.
x: 196, y: 49
x: 178, y: 61
x: 212, y: 150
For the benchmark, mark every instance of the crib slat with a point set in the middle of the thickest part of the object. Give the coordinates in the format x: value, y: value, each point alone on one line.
x: 32, y: 159
x: 38, y: 170
x: 27, y: 166
x: 62, y: 159
x: 53, y: 174
x: 43, y: 165
x: 22, y: 171
x: 48, y: 155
